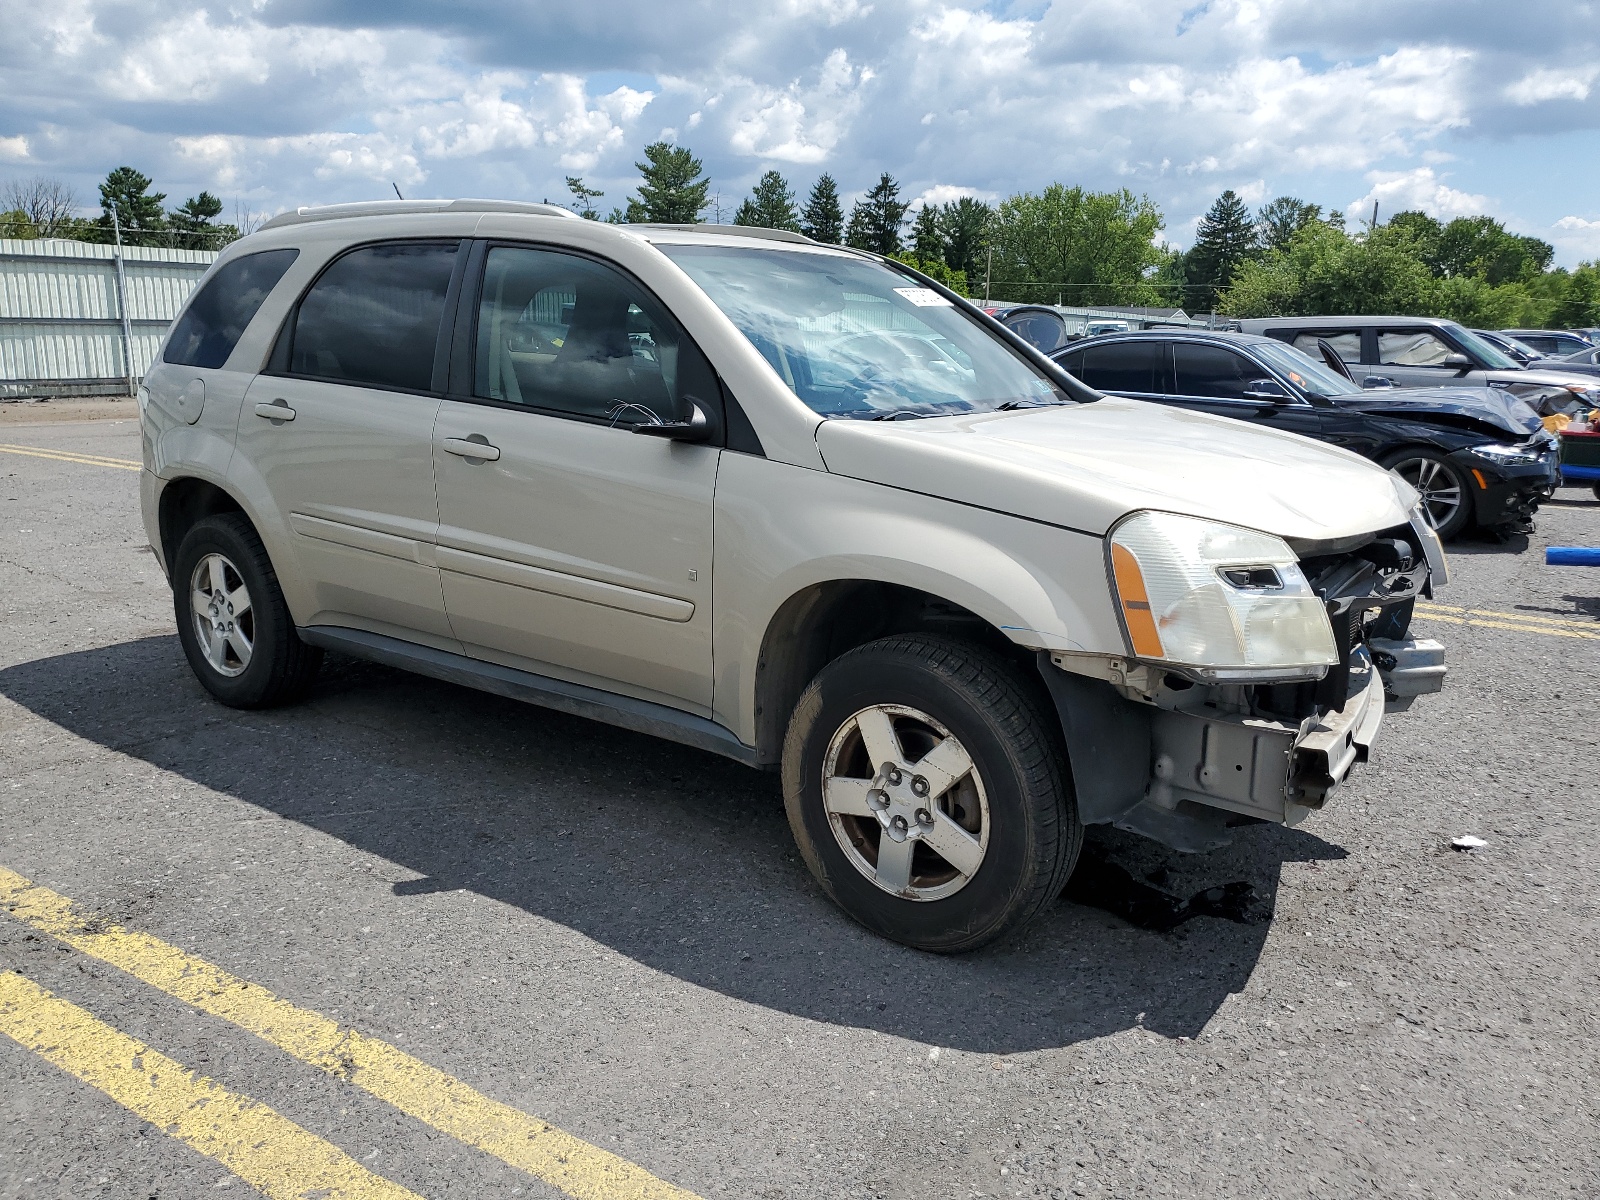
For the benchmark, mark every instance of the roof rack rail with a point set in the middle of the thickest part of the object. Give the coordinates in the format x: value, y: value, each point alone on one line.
x: 753, y: 231
x: 384, y: 208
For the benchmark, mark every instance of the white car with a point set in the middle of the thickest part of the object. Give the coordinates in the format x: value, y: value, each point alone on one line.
x: 791, y: 504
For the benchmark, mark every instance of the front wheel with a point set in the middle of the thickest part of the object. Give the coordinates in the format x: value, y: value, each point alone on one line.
x: 1446, y: 498
x: 924, y: 784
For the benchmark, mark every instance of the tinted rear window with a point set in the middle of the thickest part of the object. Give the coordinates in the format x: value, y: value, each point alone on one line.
x: 1124, y: 367
x: 216, y: 318
x: 373, y: 317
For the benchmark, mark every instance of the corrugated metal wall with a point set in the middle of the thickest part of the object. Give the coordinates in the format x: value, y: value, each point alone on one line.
x: 60, y: 326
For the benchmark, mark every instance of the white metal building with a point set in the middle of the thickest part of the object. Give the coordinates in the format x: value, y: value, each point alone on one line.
x: 71, y: 323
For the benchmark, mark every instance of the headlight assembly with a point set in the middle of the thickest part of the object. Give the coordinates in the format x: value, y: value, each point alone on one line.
x: 1220, y: 601
x: 1501, y: 453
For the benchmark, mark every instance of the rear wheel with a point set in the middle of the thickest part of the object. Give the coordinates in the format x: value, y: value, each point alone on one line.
x: 233, y: 622
x: 924, y: 785
x: 1446, y: 496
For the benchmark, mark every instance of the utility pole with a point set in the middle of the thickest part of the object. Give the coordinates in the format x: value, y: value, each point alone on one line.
x: 1374, y: 225
x: 988, y: 270
x: 122, y: 303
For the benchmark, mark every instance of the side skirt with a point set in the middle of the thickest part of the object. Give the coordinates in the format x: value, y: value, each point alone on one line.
x: 641, y: 716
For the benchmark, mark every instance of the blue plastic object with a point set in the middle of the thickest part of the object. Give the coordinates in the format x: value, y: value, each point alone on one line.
x: 1571, y: 556
x: 1571, y: 474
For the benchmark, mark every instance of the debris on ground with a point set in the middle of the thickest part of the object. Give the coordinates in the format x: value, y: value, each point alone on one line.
x: 1467, y: 842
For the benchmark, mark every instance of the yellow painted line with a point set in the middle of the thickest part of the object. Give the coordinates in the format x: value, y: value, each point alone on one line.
x: 1479, y: 623
x: 1526, y: 618
x: 268, y: 1151
x: 72, y: 456
x: 430, y: 1095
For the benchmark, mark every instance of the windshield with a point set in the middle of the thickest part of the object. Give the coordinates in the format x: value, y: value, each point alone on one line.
x: 854, y: 339
x: 1305, y: 372
x: 1492, y: 357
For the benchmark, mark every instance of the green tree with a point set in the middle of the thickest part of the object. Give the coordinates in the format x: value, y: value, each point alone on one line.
x: 1225, y: 240
x: 823, y: 219
x: 583, y: 198
x: 770, y: 206
x: 672, y: 191
x: 927, y: 236
x: 1326, y: 271
x: 1424, y: 233
x: 1481, y: 246
x: 876, y: 218
x: 937, y: 270
x: 1068, y: 245
x: 194, y: 224
x: 1170, y: 280
x: 1279, y: 220
x: 127, y: 193
x: 964, y: 226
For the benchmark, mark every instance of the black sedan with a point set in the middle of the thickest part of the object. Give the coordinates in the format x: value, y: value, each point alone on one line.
x: 1478, y: 457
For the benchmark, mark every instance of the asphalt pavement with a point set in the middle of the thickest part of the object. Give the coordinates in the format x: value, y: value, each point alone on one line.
x: 409, y: 939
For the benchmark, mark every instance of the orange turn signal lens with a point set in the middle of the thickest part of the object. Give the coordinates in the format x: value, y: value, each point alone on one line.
x: 1136, y: 614
x: 1478, y: 475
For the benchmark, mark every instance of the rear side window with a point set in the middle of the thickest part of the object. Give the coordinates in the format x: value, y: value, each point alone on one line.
x: 216, y: 318
x: 1124, y: 367
x: 1347, y: 344
x: 373, y: 317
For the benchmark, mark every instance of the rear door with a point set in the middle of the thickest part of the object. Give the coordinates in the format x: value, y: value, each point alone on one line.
x: 1137, y: 367
x: 569, y: 545
x: 340, y: 429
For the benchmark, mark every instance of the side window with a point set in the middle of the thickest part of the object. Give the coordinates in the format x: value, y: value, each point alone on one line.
x: 567, y: 334
x: 216, y: 318
x: 1346, y: 342
x: 1124, y: 367
x: 1411, y: 348
x: 1212, y: 371
x: 373, y: 316
x: 1072, y: 363
x: 1043, y: 331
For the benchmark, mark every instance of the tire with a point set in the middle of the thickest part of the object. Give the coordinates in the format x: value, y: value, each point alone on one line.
x: 233, y: 623
x: 978, y: 853
x: 1446, y: 491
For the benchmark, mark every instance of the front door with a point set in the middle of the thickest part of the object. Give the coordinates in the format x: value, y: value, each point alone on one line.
x: 569, y: 545
x: 340, y: 429
x: 1218, y: 380
x: 1416, y: 358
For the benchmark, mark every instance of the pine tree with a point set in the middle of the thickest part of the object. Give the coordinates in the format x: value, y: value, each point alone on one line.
x: 583, y: 198
x: 139, y: 213
x: 194, y: 222
x: 771, y: 205
x: 876, y: 218
x: 1225, y: 240
x: 823, y: 219
x: 671, y: 191
x: 927, y: 238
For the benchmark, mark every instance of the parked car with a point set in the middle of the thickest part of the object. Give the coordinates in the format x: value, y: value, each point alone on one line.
x: 1551, y: 343
x: 1415, y: 352
x: 1517, y: 351
x: 1479, y: 457
x: 1041, y: 326
x: 788, y: 503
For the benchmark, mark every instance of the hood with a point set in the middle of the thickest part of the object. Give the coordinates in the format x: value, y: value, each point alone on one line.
x: 1492, y: 411
x: 1086, y: 465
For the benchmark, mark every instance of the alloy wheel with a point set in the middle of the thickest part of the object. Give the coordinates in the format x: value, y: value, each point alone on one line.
x: 224, y: 620
x: 905, y: 802
x: 1440, y: 493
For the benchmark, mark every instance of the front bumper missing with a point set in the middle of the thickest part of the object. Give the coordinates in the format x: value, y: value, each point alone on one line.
x: 1184, y: 775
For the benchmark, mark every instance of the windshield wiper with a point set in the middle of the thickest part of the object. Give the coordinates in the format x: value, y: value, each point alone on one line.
x: 1013, y: 405
x: 896, y: 414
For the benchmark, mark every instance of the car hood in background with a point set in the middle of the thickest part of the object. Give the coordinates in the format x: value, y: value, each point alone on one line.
x: 1086, y: 465
x: 1479, y: 409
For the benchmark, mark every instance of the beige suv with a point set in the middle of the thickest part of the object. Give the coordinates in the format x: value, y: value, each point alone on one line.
x: 788, y: 503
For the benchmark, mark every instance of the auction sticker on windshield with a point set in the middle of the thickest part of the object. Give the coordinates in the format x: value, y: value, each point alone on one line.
x: 924, y: 297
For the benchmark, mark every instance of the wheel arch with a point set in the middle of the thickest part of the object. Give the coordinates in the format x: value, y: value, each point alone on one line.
x: 186, y: 500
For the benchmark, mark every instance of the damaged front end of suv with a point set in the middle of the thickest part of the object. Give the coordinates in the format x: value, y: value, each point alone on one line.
x: 1259, y: 673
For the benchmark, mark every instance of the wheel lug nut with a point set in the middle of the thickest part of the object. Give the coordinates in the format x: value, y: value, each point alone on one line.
x: 924, y: 817
x: 919, y: 785
x: 895, y: 776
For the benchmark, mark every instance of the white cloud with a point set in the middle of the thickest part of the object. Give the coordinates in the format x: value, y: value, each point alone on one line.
x: 1553, y: 83
x: 1576, y: 239
x: 13, y: 149
x: 1400, y: 191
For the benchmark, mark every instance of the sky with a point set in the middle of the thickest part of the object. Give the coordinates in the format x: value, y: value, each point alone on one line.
x: 1456, y: 107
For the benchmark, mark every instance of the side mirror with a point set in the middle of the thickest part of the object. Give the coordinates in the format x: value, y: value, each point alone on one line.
x: 1459, y: 361
x: 1377, y: 381
x: 1265, y: 389
x: 696, y: 429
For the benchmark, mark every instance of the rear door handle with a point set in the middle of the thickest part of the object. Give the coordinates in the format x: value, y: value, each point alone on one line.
x: 471, y: 448
x: 276, y: 411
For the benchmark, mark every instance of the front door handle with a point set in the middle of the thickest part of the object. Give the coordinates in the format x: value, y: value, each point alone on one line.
x: 278, y: 410
x: 471, y: 448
